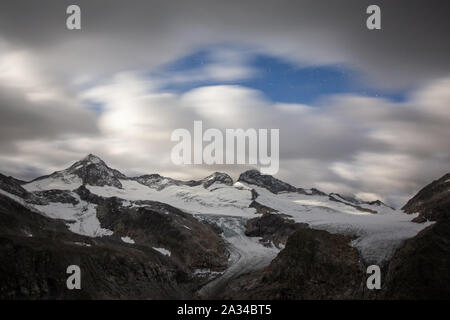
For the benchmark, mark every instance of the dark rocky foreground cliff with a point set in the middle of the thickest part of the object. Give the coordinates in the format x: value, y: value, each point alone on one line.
x: 35, y: 252
x: 421, y: 268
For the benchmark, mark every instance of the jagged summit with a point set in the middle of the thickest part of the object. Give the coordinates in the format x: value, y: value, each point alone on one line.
x: 160, y: 182
x: 157, y: 181
x: 92, y: 158
x: 219, y: 177
x: 266, y: 181
x: 90, y: 170
x: 94, y: 171
x: 13, y: 186
x: 272, y: 184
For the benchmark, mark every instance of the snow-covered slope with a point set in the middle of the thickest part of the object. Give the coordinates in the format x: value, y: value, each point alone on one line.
x: 91, y: 170
x: 377, y: 235
x: 59, y: 181
x: 81, y: 216
x: 216, y: 199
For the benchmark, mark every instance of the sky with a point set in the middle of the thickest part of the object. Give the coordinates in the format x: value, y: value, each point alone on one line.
x: 362, y: 112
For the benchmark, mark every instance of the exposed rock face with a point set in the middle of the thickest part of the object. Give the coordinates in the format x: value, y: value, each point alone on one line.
x: 338, y: 198
x: 35, y: 252
x: 432, y: 202
x: 159, y: 182
x: 91, y: 170
x: 420, y: 269
x: 61, y: 196
x: 258, y: 206
x: 266, y: 181
x: 86, y: 195
x: 13, y: 186
x: 313, y: 191
x: 355, y: 201
x: 272, y: 228
x: 358, y: 204
x: 314, y: 265
x: 193, y: 244
x: 108, y: 272
x: 18, y: 220
x: 217, y: 177
x: 272, y: 184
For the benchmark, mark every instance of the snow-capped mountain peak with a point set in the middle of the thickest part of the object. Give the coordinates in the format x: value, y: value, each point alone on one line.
x: 91, y: 158
x: 90, y: 170
x: 218, y: 177
x: 94, y: 171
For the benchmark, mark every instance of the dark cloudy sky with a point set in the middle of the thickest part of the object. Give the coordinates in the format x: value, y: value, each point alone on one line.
x: 359, y: 111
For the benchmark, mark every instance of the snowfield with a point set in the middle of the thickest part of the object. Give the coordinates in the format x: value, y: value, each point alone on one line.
x: 81, y: 218
x: 64, y: 182
x: 378, y: 235
x: 217, y: 199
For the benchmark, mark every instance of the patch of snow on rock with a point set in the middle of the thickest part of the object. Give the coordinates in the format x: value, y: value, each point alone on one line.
x: 163, y: 251
x: 127, y: 240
